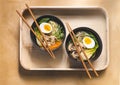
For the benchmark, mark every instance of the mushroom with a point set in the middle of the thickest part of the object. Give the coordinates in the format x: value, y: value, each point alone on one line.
x: 71, y: 47
x: 74, y: 54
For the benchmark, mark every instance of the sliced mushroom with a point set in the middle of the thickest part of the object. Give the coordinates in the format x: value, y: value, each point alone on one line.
x: 50, y: 40
x: 74, y: 54
x: 71, y: 47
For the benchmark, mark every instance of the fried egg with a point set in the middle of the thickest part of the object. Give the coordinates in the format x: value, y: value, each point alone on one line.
x: 88, y: 42
x: 45, y: 27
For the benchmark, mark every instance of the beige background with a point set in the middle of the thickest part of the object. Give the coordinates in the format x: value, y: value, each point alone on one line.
x: 9, y: 46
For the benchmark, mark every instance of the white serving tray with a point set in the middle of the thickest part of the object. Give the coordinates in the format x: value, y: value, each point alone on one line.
x: 31, y: 58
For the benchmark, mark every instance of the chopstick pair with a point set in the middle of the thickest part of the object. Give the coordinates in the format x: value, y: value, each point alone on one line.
x: 45, y: 45
x: 75, y: 42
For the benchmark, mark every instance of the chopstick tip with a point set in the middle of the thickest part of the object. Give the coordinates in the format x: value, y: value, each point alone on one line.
x: 26, y: 5
x: 53, y: 56
x: 16, y: 10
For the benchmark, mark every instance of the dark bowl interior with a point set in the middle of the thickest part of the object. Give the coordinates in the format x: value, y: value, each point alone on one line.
x: 88, y: 30
x: 53, y: 18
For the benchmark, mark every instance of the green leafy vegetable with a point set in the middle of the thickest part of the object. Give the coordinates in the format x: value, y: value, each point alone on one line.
x: 44, y: 20
x: 59, y: 33
x: 37, y: 32
x: 90, y: 52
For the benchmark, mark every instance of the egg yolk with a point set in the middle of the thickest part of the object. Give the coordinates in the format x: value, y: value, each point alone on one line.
x: 87, y: 40
x: 47, y: 27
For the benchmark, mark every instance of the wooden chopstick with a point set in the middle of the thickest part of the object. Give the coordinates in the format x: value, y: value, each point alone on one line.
x: 35, y: 35
x: 80, y: 57
x: 39, y: 28
x: 83, y: 50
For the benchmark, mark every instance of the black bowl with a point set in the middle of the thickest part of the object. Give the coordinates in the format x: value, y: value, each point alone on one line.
x: 53, y: 18
x: 88, y: 30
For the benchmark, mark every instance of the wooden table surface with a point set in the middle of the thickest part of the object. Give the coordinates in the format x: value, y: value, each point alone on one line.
x: 12, y: 74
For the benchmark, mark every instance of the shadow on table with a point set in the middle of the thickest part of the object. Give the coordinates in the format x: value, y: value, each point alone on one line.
x: 56, y: 74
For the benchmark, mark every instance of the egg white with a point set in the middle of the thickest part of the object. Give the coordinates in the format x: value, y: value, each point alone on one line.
x: 91, y: 45
x: 42, y: 27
